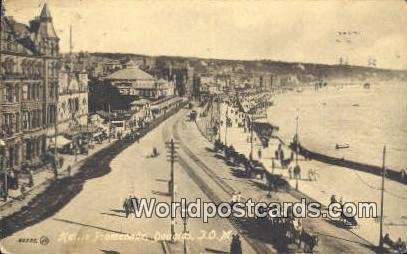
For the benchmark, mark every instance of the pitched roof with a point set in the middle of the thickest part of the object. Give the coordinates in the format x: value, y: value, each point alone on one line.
x: 45, y: 13
x: 130, y: 73
x: 20, y: 29
x: 46, y: 30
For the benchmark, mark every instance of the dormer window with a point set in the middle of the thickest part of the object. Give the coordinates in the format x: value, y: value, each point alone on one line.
x: 9, y: 42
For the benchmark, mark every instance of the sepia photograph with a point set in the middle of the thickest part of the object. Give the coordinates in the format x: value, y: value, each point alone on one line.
x: 203, y: 126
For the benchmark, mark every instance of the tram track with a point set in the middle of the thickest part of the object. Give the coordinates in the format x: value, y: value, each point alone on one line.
x: 256, y: 245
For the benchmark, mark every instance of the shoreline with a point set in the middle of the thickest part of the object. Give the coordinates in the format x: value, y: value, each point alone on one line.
x: 395, y: 174
x: 376, y: 170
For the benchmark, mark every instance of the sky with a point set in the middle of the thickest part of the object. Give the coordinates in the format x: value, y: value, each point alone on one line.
x: 295, y: 31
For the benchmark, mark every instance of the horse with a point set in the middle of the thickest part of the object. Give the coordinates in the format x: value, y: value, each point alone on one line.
x: 285, y: 162
x: 348, y: 220
x: 297, y: 172
x: 295, y: 229
x: 128, y: 206
x: 309, y: 240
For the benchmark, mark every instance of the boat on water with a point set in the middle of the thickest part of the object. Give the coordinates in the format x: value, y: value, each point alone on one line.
x: 341, y: 146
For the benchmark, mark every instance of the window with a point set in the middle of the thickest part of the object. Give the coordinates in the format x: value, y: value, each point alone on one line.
x: 76, y: 104
x: 8, y: 122
x: 18, y: 122
x: 25, y: 92
x: 8, y: 66
x: 9, y: 42
x: 25, y: 120
x: 16, y: 93
x: 32, y: 91
x: 28, y: 150
x: 23, y: 67
x: 8, y: 93
x: 39, y: 69
x: 63, y: 106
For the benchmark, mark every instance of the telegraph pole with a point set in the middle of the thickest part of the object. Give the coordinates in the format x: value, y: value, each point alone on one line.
x: 251, y: 135
x: 172, y: 158
x: 381, y: 202
x: 219, y: 118
x: 296, y: 150
x: 212, y: 136
x: 4, y: 167
x: 296, y: 140
x: 185, y: 222
x: 56, y: 130
x: 110, y: 124
x: 226, y: 124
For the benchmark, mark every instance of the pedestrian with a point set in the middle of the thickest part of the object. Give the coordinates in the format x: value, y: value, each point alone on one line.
x: 310, y: 174
x: 259, y: 153
x: 297, y: 172
x: 55, y: 170
x: 22, y: 190
x: 69, y: 169
x: 282, y: 155
x: 236, y: 246
x: 134, y: 202
x: 3, y: 193
x: 30, y: 178
x: 234, y: 198
x: 333, y: 199
x: 290, y: 172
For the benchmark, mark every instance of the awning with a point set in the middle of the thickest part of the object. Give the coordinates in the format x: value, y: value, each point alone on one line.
x: 166, y: 103
x: 61, y: 141
x: 140, y: 102
x: 97, y: 134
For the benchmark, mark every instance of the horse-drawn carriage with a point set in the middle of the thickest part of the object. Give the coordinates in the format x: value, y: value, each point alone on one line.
x: 289, y: 231
x: 218, y: 146
x: 399, y: 245
x: 129, y: 205
x: 346, y: 219
x: 255, y: 168
x: 48, y: 158
x: 230, y: 153
x: 192, y: 115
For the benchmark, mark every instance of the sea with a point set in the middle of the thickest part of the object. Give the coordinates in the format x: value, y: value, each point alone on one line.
x: 365, y: 119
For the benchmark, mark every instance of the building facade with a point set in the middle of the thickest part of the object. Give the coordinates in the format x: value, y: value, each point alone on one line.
x: 73, y: 99
x: 28, y: 87
x: 135, y: 82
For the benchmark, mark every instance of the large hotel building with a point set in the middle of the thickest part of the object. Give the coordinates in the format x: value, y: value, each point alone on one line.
x: 28, y: 87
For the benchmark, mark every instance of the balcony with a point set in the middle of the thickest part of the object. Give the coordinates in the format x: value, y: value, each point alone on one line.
x: 8, y: 133
x: 24, y: 76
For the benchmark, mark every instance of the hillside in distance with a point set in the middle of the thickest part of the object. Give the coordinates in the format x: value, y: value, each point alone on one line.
x: 316, y: 70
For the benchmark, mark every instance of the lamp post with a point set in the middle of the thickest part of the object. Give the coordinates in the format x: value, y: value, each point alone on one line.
x: 382, y: 202
x: 185, y: 222
x: 251, y: 135
x: 3, y: 167
x: 226, y: 124
x: 296, y: 149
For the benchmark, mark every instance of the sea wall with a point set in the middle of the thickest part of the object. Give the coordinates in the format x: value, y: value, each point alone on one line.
x: 390, y: 173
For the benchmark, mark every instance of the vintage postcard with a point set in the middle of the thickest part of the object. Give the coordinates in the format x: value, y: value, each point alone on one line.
x: 203, y: 126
